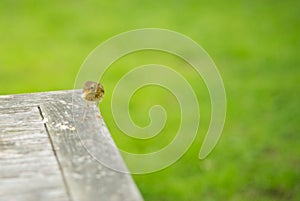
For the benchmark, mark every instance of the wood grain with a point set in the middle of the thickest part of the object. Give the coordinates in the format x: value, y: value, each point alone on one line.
x: 28, y: 168
x: 76, y: 174
x: 87, y: 178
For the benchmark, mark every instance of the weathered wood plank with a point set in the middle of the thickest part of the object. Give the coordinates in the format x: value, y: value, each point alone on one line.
x: 31, y: 99
x: 86, y: 177
x: 28, y: 167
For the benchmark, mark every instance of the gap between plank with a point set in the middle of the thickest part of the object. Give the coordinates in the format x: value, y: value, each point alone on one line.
x: 56, y: 157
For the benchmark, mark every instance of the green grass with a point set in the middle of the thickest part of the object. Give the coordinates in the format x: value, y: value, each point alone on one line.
x: 255, y: 45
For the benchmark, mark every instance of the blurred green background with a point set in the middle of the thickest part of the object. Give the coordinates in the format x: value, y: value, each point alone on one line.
x: 255, y: 45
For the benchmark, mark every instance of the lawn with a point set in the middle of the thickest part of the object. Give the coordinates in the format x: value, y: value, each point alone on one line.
x: 255, y: 45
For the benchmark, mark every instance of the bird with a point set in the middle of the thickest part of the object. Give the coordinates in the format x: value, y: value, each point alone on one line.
x: 92, y: 93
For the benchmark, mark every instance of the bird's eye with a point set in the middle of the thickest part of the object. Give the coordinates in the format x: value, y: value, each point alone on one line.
x: 92, y: 87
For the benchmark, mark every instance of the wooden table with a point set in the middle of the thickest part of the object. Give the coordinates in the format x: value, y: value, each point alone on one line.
x: 42, y: 156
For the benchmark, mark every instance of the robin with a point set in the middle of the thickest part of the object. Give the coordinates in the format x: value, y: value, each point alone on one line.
x: 92, y: 93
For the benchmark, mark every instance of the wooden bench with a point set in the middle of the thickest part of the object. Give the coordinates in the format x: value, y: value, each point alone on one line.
x: 42, y: 156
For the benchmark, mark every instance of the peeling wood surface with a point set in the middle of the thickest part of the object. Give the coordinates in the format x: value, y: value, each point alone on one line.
x: 59, y: 142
